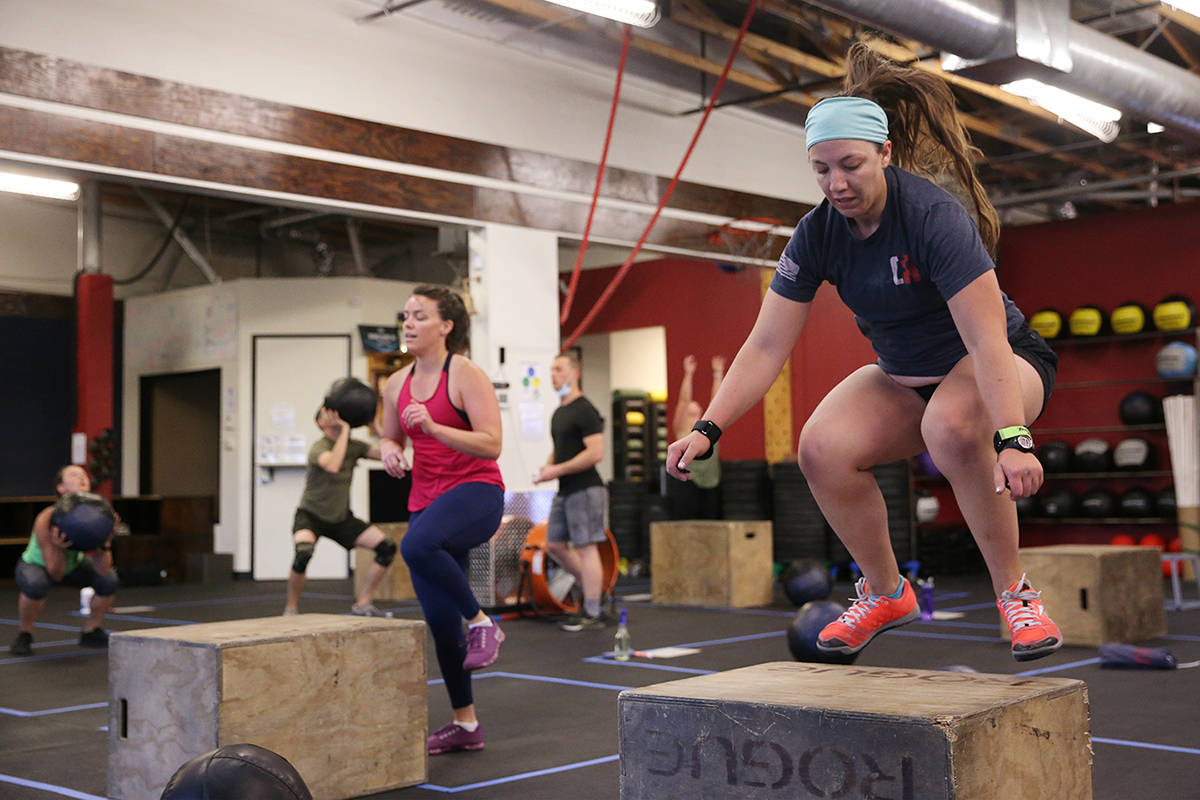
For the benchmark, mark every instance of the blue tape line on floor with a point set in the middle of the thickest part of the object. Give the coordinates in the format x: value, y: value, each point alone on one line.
x: 960, y: 636
x: 732, y: 639
x: 157, y: 620
x: 92, y: 651
x: 644, y: 665
x: 1182, y: 637
x: 971, y: 607
x: 49, y: 787
x: 1147, y: 745
x: 518, y: 777
x: 47, y: 625
x: 542, y: 678
x: 13, y: 712
x: 1059, y: 667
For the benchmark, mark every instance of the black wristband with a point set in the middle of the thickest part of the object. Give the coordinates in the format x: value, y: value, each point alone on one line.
x: 712, y: 432
x: 1016, y: 437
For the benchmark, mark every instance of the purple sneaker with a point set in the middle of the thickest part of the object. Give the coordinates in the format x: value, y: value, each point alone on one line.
x: 454, y: 737
x: 483, y: 646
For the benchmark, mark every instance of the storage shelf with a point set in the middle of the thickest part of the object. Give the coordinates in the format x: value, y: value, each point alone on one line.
x: 1097, y: 520
x: 1158, y: 426
x: 1118, y: 337
x: 1118, y: 382
x: 1131, y: 473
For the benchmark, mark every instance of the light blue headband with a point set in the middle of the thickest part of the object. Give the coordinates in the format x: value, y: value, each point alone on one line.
x: 846, y: 118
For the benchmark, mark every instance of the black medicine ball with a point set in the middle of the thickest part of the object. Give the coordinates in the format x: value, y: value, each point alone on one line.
x: 353, y: 400
x: 84, y: 518
x: 1055, y: 456
x: 1048, y: 322
x: 807, y: 625
x: 1026, y: 506
x: 1059, y: 503
x: 1137, y: 502
x: 1175, y: 313
x: 241, y: 771
x: 1088, y: 321
x: 1140, y: 408
x: 1134, y: 453
x: 1098, y: 502
x: 804, y: 580
x: 1166, y: 502
x: 1092, y: 455
x: 1129, y: 318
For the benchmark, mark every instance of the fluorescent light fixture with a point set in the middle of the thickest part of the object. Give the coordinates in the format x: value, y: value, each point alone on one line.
x: 1189, y: 6
x: 1154, y: 127
x: 642, y: 13
x: 40, y: 187
x: 1098, y: 120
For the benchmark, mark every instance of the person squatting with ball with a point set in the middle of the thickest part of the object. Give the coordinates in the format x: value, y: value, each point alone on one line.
x: 51, y: 558
x: 325, y: 511
x: 959, y: 372
x: 446, y: 406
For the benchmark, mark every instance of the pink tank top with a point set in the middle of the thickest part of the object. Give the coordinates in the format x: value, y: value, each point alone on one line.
x: 438, y: 468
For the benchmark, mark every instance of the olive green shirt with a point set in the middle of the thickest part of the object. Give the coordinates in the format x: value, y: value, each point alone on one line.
x: 327, y: 494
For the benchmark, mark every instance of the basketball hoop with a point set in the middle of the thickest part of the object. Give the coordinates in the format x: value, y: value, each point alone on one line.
x: 750, y: 242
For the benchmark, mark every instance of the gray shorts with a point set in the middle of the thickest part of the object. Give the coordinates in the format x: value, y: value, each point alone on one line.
x: 578, y: 517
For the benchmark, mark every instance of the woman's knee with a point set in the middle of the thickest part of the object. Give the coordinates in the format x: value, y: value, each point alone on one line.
x: 954, y: 430
x: 33, y: 580
x: 821, y: 453
x: 414, y: 549
x: 106, y: 585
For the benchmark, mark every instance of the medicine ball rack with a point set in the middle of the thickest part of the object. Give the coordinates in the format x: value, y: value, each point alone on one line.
x: 1088, y: 355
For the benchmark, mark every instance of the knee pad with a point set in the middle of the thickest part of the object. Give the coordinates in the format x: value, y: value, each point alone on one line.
x: 32, y: 580
x: 304, y: 554
x: 385, y: 553
x: 106, y: 585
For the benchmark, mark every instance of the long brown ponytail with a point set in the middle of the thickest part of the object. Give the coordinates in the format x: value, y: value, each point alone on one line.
x: 927, y: 137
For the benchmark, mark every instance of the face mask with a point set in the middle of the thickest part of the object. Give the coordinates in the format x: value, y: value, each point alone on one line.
x: 563, y: 390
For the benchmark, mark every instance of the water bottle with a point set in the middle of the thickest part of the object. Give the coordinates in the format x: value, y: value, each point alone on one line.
x: 622, y: 648
x: 926, y: 598
x: 85, y: 600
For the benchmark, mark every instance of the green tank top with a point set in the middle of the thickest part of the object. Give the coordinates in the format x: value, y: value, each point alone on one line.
x: 33, y: 555
x: 706, y: 474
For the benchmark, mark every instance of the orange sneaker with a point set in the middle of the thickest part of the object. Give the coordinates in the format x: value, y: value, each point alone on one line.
x: 869, y: 615
x: 1034, y: 634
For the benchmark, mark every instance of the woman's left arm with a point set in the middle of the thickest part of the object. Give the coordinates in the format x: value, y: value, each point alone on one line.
x: 978, y: 312
x: 478, y: 399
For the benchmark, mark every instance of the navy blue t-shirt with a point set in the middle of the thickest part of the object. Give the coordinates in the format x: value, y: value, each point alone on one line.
x: 898, y: 279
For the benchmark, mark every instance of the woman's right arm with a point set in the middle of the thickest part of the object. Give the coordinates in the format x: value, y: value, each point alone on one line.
x: 52, y: 543
x: 753, y: 371
x: 391, y: 435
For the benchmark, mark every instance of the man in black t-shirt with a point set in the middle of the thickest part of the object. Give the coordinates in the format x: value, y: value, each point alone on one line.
x: 577, y: 513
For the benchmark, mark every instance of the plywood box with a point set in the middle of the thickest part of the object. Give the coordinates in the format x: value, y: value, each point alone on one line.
x: 711, y: 562
x: 1099, y: 593
x: 396, y: 584
x: 820, y: 730
x: 343, y: 698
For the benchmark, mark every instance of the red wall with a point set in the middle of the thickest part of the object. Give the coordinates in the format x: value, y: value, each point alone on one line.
x: 708, y: 312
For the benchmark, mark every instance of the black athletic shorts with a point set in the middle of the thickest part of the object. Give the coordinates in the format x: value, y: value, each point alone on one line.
x: 1029, y: 345
x: 344, y: 533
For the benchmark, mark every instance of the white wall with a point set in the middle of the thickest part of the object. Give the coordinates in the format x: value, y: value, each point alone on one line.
x: 407, y: 72
x: 638, y: 359
x: 595, y: 354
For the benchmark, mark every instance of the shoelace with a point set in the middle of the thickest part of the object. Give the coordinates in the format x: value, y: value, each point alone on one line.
x: 1018, y: 607
x: 863, y: 605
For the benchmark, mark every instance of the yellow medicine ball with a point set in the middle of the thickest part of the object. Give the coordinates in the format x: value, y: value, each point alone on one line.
x: 1048, y: 322
x: 1128, y: 318
x: 1175, y: 313
x: 1087, y: 321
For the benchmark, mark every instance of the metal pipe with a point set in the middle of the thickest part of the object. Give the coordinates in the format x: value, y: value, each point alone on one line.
x: 294, y: 219
x: 180, y: 237
x: 1089, y: 188
x: 1104, y: 69
x: 88, y: 218
x: 356, y: 250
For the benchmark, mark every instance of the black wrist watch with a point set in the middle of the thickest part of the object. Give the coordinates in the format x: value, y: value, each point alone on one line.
x: 712, y: 432
x: 1016, y: 437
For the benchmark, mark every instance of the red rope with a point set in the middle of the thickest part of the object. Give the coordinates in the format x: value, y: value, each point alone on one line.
x: 612, y: 286
x: 587, y: 230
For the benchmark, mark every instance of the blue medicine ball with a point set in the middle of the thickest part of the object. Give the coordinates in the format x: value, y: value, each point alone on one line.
x: 1176, y: 360
x: 86, y: 519
x: 806, y: 579
x: 807, y: 625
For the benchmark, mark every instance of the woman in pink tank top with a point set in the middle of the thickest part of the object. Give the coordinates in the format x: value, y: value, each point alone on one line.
x: 445, y: 405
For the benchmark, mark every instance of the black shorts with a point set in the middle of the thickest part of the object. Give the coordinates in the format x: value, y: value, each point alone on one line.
x: 1029, y: 345
x: 345, y: 533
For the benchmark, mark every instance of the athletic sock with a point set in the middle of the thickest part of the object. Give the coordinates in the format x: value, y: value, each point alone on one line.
x: 469, y: 727
x: 591, y: 606
x: 896, y: 594
x: 487, y: 623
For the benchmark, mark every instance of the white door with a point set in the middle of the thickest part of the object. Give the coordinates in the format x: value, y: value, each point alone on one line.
x: 291, y: 376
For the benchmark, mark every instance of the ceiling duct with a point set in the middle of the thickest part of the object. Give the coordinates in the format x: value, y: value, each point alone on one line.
x: 1102, y: 68
x: 1036, y: 48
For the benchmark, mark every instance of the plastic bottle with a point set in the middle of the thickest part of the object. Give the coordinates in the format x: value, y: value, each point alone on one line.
x: 622, y: 647
x: 926, y: 598
x: 85, y: 600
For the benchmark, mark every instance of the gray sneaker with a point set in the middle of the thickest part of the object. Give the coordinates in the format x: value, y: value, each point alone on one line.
x: 368, y: 610
x: 582, y: 622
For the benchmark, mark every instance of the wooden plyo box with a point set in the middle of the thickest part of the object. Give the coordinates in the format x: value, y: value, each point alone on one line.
x: 800, y: 730
x: 343, y: 698
x: 1098, y: 593
x: 396, y: 583
x: 711, y: 562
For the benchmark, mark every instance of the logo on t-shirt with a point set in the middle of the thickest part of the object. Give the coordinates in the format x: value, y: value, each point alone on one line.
x: 788, y: 268
x: 904, y: 271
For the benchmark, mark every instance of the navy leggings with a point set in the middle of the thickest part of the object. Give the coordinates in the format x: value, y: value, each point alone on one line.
x: 435, y: 547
